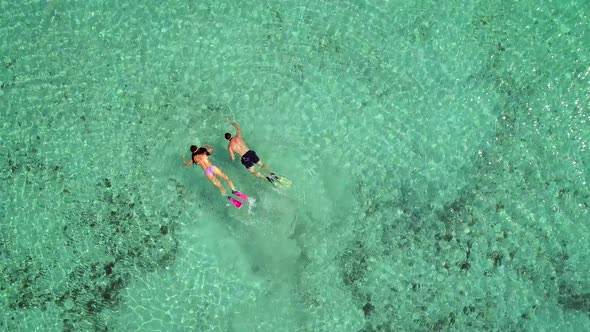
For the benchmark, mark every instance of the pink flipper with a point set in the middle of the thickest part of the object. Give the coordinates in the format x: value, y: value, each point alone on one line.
x: 235, y: 202
x: 240, y: 195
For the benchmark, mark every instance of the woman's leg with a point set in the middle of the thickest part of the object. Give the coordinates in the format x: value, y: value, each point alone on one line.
x: 222, y: 175
x: 218, y: 184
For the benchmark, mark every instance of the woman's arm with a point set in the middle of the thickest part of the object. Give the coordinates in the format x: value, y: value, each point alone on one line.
x: 209, y: 148
x: 186, y: 164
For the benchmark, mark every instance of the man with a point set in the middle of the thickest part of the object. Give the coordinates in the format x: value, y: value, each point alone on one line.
x: 200, y: 157
x: 248, y: 157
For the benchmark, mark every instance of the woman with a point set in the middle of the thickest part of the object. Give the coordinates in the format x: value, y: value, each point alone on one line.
x: 200, y: 157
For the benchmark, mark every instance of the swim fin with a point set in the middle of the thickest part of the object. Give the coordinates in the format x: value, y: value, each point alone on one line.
x: 285, y: 182
x: 235, y: 202
x: 271, y: 179
x: 240, y: 195
x: 279, y: 181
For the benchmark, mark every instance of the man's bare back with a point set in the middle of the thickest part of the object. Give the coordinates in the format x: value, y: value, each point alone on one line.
x: 237, y: 145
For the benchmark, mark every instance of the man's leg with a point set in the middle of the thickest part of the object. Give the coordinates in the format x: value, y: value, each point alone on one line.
x: 261, y: 164
x: 256, y: 173
x: 219, y: 173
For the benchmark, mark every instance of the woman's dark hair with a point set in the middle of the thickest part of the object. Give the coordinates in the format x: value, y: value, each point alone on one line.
x: 193, y: 148
x: 227, y: 135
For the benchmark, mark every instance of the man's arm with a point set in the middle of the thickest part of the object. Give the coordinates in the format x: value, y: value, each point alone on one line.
x: 231, y: 153
x: 239, y: 130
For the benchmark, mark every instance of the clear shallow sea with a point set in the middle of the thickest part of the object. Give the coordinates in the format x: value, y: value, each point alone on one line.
x: 439, y: 154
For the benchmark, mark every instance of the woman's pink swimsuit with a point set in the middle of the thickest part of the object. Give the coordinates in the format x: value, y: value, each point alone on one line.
x: 209, y: 170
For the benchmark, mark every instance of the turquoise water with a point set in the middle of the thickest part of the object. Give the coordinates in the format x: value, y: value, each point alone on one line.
x: 439, y: 154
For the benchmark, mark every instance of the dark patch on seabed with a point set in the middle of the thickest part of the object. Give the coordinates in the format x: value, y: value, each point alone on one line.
x: 492, y: 168
x: 353, y: 266
x: 570, y: 299
x: 124, y: 235
x: 26, y: 157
